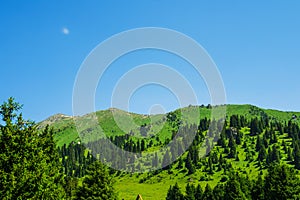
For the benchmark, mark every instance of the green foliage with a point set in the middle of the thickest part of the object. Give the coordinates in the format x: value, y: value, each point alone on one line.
x: 219, y: 192
x: 297, y: 156
x: 96, y: 184
x: 198, y: 192
x: 29, y: 163
x: 233, y: 188
x: 190, y: 191
x: 208, y: 193
x: 189, y: 165
x: 281, y: 182
x: 174, y: 193
x: 258, y: 189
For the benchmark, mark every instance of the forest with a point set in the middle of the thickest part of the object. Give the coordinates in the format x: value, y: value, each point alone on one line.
x: 254, y: 155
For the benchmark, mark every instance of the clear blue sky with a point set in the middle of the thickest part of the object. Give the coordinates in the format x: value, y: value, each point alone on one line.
x: 255, y: 44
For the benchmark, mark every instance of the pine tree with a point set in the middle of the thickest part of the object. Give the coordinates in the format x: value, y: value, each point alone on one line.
x: 273, y: 155
x: 258, y: 189
x: 208, y: 193
x: 71, y: 184
x: 219, y: 192
x: 239, y: 138
x: 255, y: 127
x: 265, y: 140
x: 29, y: 164
x: 281, y: 182
x: 174, y: 193
x: 189, y: 165
x: 190, y: 192
x: 234, y: 121
x: 96, y: 184
x: 297, y: 156
x: 289, y: 154
x: 259, y: 143
x: 222, y: 140
x: 233, y: 188
x: 262, y: 154
x: 143, y: 145
x: 198, y: 192
x: 232, y: 145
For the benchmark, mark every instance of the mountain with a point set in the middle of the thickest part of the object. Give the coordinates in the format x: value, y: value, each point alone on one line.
x: 66, y: 132
x: 250, y: 142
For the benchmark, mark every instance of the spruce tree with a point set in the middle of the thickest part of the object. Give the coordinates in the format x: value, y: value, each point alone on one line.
x: 174, y: 193
x: 289, y: 154
x: 198, y: 192
x: 258, y: 189
x: 190, y: 192
x: 232, y: 145
x: 281, y: 182
x: 233, y: 188
x: 262, y: 154
x: 189, y: 165
x: 219, y: 192
x: 96, y: 184
x: 29, y: 164
x: 297, y: 156
x: 259, y: 143
x: 208, y: 193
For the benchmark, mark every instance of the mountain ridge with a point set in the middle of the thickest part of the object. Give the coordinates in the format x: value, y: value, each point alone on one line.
x: 66, y: 132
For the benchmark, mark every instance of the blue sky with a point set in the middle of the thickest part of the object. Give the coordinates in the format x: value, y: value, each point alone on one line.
x: 255, y: 45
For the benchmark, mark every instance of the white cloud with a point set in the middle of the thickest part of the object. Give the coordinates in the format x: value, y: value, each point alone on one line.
x: 65, y: 31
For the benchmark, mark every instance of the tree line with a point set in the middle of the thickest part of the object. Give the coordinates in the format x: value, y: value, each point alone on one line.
x: 280, y: 182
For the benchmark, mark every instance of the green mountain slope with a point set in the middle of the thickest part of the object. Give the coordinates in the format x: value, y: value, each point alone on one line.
x: 253, y: 138
x: 66, y: 132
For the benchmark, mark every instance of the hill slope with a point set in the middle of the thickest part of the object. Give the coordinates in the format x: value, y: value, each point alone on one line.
x: 251, y: 141
x: 66, y: 132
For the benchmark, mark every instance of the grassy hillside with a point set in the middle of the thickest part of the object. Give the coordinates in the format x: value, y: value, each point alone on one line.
x: 154, y: 185
x: 66, y: 132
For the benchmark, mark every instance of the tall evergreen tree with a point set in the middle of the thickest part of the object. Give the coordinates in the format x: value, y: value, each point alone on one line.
x: 96, y: 184
x: 255, y: 127
x: 233, y: 188
x: 289, y: 154
x: 219, y: 192
x: 273, y: 155
x: 198, y: 192
x: 208, y: 193
x: 189, y: 165
x: 239, y: 138
x: 258, y: 189
x: 190, y: 191
x: 259, y: 143
x: 174, y: 193
x: 262, y: 154
x: 281, y: 182
x: 297, y: 156
x: 29, y: 164
x: 71, y: 184
x: 232, y: 145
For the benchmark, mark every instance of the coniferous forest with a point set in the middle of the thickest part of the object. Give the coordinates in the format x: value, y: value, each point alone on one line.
x: 256, y: 155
